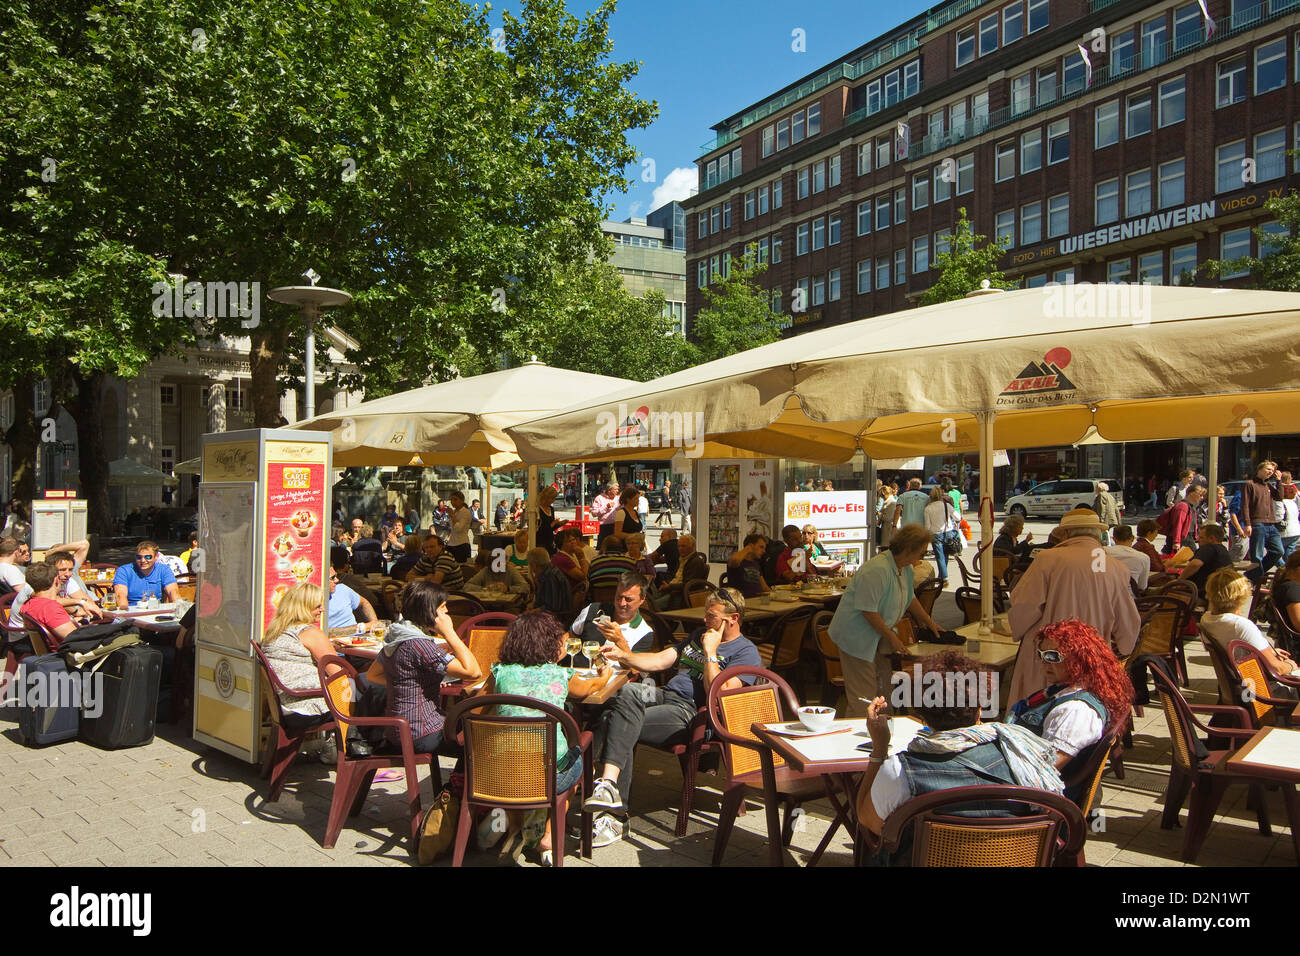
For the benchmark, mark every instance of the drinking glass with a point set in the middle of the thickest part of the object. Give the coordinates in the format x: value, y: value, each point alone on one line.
x: 572, y: 645
x: 592, y: 650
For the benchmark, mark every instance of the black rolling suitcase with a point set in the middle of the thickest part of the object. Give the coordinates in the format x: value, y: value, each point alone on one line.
x: 48, y: 704
x: 128, y: 688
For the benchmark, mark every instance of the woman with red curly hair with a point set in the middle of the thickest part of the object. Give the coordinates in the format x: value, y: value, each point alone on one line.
x: 1087, y: 693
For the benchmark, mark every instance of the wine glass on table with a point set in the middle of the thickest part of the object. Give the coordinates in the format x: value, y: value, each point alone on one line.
x: 592, y: 650
x: 572, y: 644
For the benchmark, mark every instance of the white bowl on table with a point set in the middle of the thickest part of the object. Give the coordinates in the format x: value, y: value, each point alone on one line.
x: 817, y: 719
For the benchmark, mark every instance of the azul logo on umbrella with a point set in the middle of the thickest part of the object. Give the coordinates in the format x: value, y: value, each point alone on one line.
x: 646, y: 429
x: 1040, y: 382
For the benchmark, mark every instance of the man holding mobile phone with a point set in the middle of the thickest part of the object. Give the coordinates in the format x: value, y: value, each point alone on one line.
x: 619, y: 623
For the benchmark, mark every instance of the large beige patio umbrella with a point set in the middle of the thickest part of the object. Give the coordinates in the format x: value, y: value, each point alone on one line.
x: 128, y: 471
x: 463, y: 422
x: 1034, y: 366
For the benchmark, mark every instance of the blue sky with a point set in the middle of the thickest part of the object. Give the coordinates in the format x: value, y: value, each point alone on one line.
x: 705, y: 60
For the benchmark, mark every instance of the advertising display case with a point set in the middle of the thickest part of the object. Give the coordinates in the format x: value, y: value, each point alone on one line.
x: 263, y: 527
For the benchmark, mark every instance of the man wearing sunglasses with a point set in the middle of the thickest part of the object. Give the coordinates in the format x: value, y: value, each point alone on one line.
x: 146, y: 573
x: 645, y: 714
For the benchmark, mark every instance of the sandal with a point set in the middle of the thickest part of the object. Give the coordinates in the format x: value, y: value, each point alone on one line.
x: 388, y: 776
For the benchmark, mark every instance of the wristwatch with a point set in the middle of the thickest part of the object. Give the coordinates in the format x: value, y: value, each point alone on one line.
x: 713, y: 660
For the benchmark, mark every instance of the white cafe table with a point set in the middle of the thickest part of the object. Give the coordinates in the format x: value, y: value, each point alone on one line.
x: 1274, y: 754
x: 836, y: 756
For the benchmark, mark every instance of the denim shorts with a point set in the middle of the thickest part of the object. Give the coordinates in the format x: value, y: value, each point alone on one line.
x: 570, y: 772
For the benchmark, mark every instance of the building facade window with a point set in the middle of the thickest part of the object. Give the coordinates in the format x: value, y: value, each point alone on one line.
x: 864, y: 276
x: 802, y: 183
x: 1013, y: 22
x: 833, y: 231
x: 1228, y: 166
x: 1234, y: 244
x: 1106, y: 129
x: 1151, y: 268
x: 1270, y: 155
x: 920, y: 255
x: 988, y: 34
x: 920, y: 190
x: 833, y: 171
x: 1005, y: 227
x: 801, y: 239
x: 900, y: 266
x: 1120, y: 270
x: 818, y: 234
x: 1172, y: 183
x: 1137, y: 118
x: 1058, y: 141
x: 1173, y: 101
x: 1137, y: 193
x: 965, y: 173
x: 833, y: 285
x: 1004, y: 162
x: 1106, y: 209
x: 864, y: 217
x: 1230, y: 81
x: 1031, y: 223
x: 819, y: 177
x: 965, y: 46
x: 1270, y: 66
x: 763, y: 201
x: 1058, y: 215
x: 1182, y: 262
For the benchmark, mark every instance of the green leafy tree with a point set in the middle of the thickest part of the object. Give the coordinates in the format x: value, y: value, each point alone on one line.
x: 738, y: 314
x: 1278, y: 269
x: 406, y: 152
x: 596, y: 325
x: 968, y: 261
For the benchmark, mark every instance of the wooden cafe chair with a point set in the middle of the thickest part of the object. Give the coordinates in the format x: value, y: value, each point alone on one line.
x: 1084, y: 785
x: 355, y: 774
x: 1254, y: 673
x: 510, y: 764
x: 282, y: 745
x: 1163, y: 619
x: 927, y: 593
x: 957, y: 827
x: 483, y: 634
x: 732, y: 714
x: 1284, y: 635
x: 1204, y: 777
x: 832, y: 667
x: 780, y: 647
x: 697, y: 592
x: 462, y: 607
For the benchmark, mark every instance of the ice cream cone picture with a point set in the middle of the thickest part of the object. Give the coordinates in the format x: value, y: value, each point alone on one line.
x: 279, y: 592
x: 283, y: 547
x: 302, y: 521
x: 303, y: 569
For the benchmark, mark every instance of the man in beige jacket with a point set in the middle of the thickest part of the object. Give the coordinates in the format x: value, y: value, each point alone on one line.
x: 1074, y: 579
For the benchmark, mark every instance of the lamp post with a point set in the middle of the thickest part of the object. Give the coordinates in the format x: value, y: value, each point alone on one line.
x: 310, y: 300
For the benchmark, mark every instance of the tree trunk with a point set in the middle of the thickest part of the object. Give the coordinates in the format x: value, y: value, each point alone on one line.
x: 269, y: 342
x: 87, y: 408
x: 21, y: 439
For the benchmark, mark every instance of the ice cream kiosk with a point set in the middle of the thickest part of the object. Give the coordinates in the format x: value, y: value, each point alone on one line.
x: 263, y: 527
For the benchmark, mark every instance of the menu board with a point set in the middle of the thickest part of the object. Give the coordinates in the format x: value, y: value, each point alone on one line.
x: 225, y: 611
x: 724, y: 512
x: 295, y: 530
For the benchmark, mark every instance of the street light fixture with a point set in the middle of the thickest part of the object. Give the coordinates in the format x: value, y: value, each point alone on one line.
x: 310, y: 300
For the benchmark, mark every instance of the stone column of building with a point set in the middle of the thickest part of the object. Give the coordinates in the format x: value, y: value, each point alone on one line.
x: 217, y: 405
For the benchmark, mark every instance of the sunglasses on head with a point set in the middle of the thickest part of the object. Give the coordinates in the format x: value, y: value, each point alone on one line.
x: 1050, y: 656
x: 725, y: 596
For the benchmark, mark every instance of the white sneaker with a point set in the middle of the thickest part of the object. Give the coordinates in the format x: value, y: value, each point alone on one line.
x: 606, y: 830
x: 604, y: 796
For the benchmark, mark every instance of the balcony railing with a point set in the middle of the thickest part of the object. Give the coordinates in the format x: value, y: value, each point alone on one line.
x: 1146, y: 58
x: 844, y: 71
x: 952, y: 12
x: 885, y: 103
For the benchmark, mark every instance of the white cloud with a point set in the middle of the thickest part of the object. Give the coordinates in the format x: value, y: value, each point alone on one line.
x: 677, y: 185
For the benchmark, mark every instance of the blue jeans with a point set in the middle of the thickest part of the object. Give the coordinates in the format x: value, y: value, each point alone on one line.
x: 1266, y: 548
x: 941, y: 556
x: 564, y: 779
x: 1288, y: 545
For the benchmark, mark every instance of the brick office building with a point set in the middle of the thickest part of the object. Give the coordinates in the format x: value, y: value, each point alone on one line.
x: 1159, y: 161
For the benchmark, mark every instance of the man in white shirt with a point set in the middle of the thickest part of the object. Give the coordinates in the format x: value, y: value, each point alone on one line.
x: 1138, y: 564
x: 622, y: 622
x: 11, y: 572
x: 69, y: 590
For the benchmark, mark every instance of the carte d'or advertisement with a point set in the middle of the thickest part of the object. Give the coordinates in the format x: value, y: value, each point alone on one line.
x: 296, y: 526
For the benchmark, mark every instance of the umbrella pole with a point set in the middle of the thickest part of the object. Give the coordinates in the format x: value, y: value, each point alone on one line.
x: 1212, y: 476
x: 532, y: 506
x: 872, y: 505
x: 487, y: 507
x: 985, y: 420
